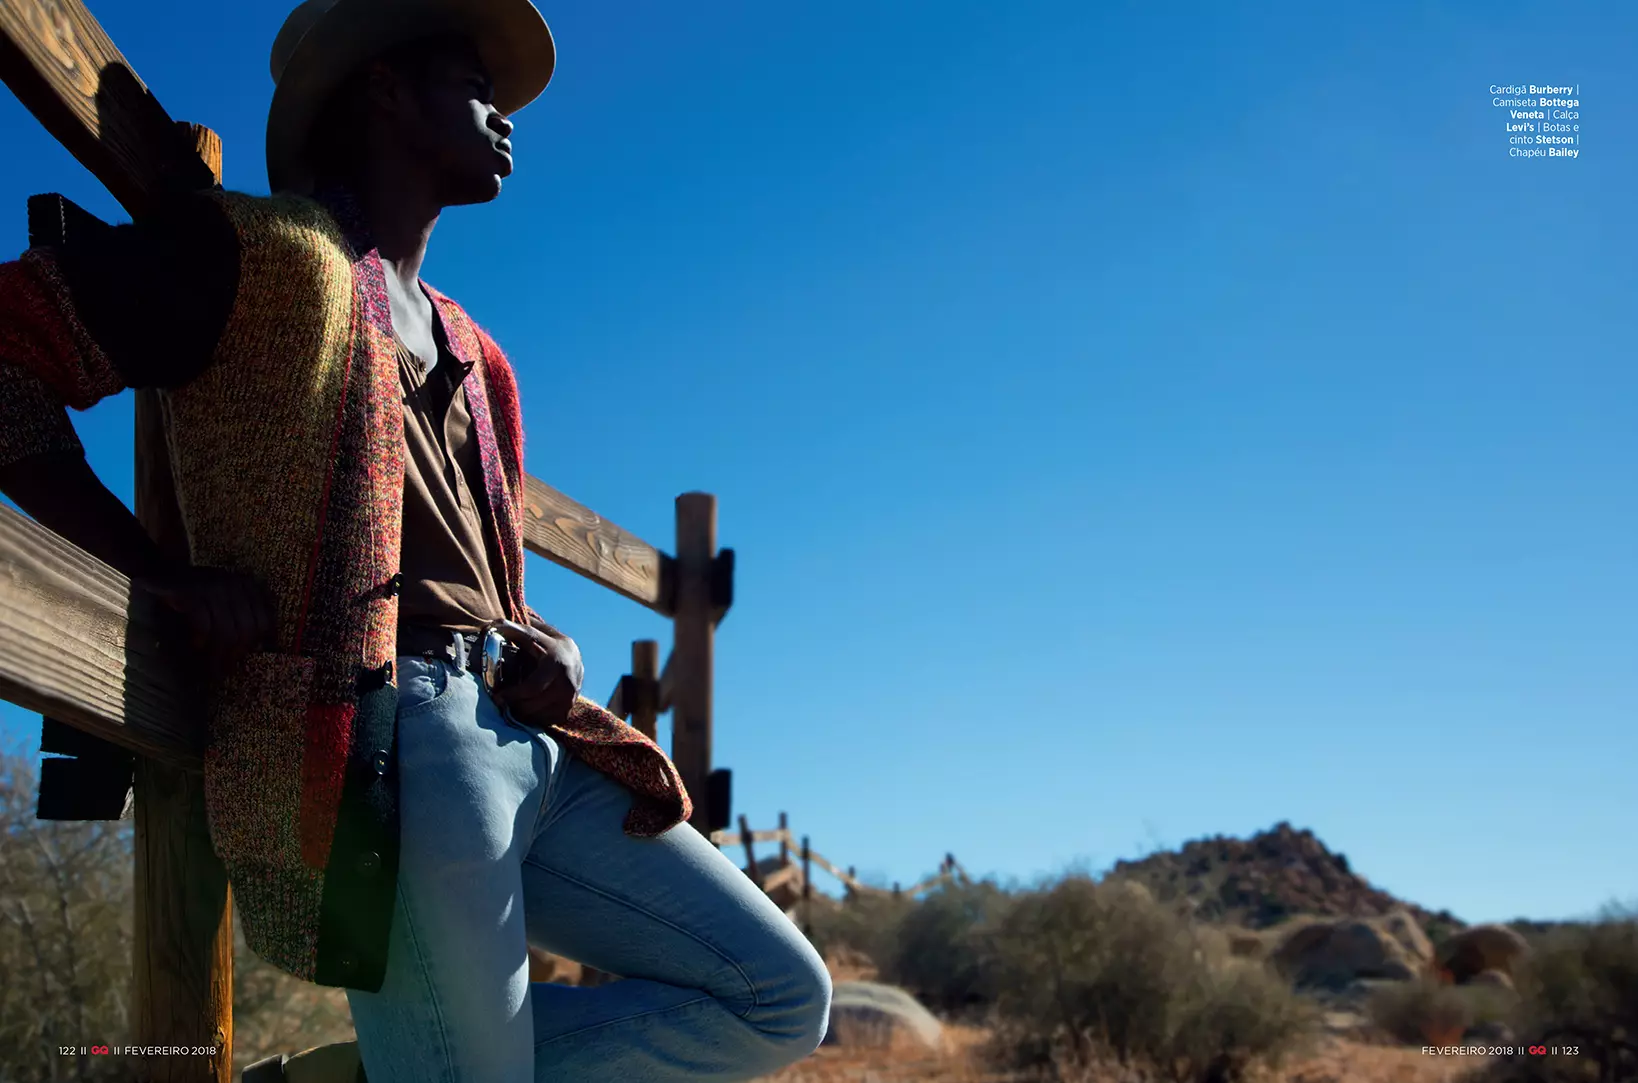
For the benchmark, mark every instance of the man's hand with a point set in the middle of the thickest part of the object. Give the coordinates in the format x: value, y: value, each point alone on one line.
x: 551, y: 673
x: 227, y: 614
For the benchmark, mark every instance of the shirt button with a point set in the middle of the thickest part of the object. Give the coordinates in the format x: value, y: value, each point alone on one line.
x: 379, y: 762
x: 370, y: 863
x: 348, y: 963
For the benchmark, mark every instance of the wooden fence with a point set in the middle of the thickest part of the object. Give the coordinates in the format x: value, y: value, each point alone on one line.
x: 790, y: 881
x: 113, y: 672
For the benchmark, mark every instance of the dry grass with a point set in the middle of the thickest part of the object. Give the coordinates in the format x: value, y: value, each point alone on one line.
x: 1333, y: 1060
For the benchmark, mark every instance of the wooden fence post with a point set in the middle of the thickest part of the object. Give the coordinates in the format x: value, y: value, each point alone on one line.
x: 784, y: 841
x: 693, y: 653
x: 182, y: 966
x: 645, y: 671
x: 750, y: 853
x: 807, y: 890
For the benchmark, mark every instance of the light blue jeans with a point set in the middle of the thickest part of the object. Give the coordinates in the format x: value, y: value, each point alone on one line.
x: 507, y: 840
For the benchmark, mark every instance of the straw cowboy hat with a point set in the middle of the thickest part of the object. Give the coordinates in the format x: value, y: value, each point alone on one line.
x: 324, y: 41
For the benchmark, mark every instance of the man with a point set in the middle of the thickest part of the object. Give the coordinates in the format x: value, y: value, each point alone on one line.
x: 347, y: 450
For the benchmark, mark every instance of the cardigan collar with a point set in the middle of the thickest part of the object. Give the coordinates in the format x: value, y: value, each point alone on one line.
x: 344, y: 207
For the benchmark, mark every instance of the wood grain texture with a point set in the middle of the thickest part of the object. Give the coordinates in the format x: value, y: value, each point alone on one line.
x: 182, y: 962
x: 107, y: 674
x: 182, y: 972
x: 572, y: 535
x: 62, y: 66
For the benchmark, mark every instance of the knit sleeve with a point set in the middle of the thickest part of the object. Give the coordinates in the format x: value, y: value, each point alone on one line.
x: 32, y: 419
x: 98, y: 309
x: 155, y: 295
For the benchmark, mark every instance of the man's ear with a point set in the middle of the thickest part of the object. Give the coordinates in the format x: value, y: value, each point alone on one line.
x: 385, y: 89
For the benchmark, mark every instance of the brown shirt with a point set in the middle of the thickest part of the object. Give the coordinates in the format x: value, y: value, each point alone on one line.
x: 445, y: 563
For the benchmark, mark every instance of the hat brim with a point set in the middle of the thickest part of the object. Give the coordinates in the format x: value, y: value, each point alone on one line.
x: 510, y: 35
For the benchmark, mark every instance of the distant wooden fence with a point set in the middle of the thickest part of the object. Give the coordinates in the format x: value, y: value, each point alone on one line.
x: 113, y: 673
x: 791, y: 881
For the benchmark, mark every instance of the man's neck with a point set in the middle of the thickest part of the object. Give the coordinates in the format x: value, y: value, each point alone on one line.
x: 400, y: 218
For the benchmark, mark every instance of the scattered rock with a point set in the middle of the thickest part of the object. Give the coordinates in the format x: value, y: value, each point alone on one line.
x: 1346, y: 1024
x: 868, y: 1014
x: 1474, y: 950
x: 1489, y: 1033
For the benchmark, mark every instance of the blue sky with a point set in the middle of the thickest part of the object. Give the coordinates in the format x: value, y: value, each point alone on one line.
x: 1134, y: 422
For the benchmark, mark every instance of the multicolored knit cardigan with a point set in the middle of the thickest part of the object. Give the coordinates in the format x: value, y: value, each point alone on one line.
x: 288, y: 455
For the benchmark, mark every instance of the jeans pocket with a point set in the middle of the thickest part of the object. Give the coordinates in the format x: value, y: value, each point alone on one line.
x: 421, y: 685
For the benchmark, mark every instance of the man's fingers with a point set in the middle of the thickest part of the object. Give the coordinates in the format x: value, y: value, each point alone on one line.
x: 536, y: 680
x: 549, y: 708
x: 515, y: 634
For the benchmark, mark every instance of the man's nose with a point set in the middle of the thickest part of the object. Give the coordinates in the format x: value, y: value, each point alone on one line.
x: 498, y: 122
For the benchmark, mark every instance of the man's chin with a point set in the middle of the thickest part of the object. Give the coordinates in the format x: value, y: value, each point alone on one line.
x: 483, y: 190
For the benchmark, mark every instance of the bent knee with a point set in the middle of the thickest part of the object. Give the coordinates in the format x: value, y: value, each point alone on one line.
x: 793, y: 1009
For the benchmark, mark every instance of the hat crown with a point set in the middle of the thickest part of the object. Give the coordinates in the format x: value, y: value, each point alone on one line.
x: 295, y: 28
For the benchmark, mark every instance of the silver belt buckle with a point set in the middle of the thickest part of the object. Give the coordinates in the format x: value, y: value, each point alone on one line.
x: 493, y: 649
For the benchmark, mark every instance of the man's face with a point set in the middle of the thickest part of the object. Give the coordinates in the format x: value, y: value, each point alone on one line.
x: 445, y: 118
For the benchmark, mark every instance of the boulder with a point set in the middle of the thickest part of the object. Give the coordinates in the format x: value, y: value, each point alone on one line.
x: 1472, y: 951
x: 1491, y: 979
x: 1333, y: 953
x: 1408, y: 932
x: 871, y: 1015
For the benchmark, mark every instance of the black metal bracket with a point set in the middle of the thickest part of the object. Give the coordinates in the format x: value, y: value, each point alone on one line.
x: 722, y: 585
x: 633, y: 694
x: 719, y: 799
x: 54, y: 219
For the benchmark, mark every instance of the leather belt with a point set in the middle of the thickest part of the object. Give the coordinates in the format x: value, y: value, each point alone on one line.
x: 456, y: 648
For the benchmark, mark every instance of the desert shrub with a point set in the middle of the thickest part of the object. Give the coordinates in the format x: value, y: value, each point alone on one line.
x: 66, y: 908
x: 1431, y: 1012
x: 65, y: 936
x: 867, y: 922
x: 938, y: 952
x: 1086, y: 972
x: 1578, y: 987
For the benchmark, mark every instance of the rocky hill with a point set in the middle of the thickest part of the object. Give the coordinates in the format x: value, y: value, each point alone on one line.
x: 1261, y: 881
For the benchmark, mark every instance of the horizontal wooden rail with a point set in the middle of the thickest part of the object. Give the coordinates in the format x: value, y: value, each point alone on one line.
x: 77, y: 646
x: 61, y: 65
x: 568, y: 533
x: 734, y: 838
